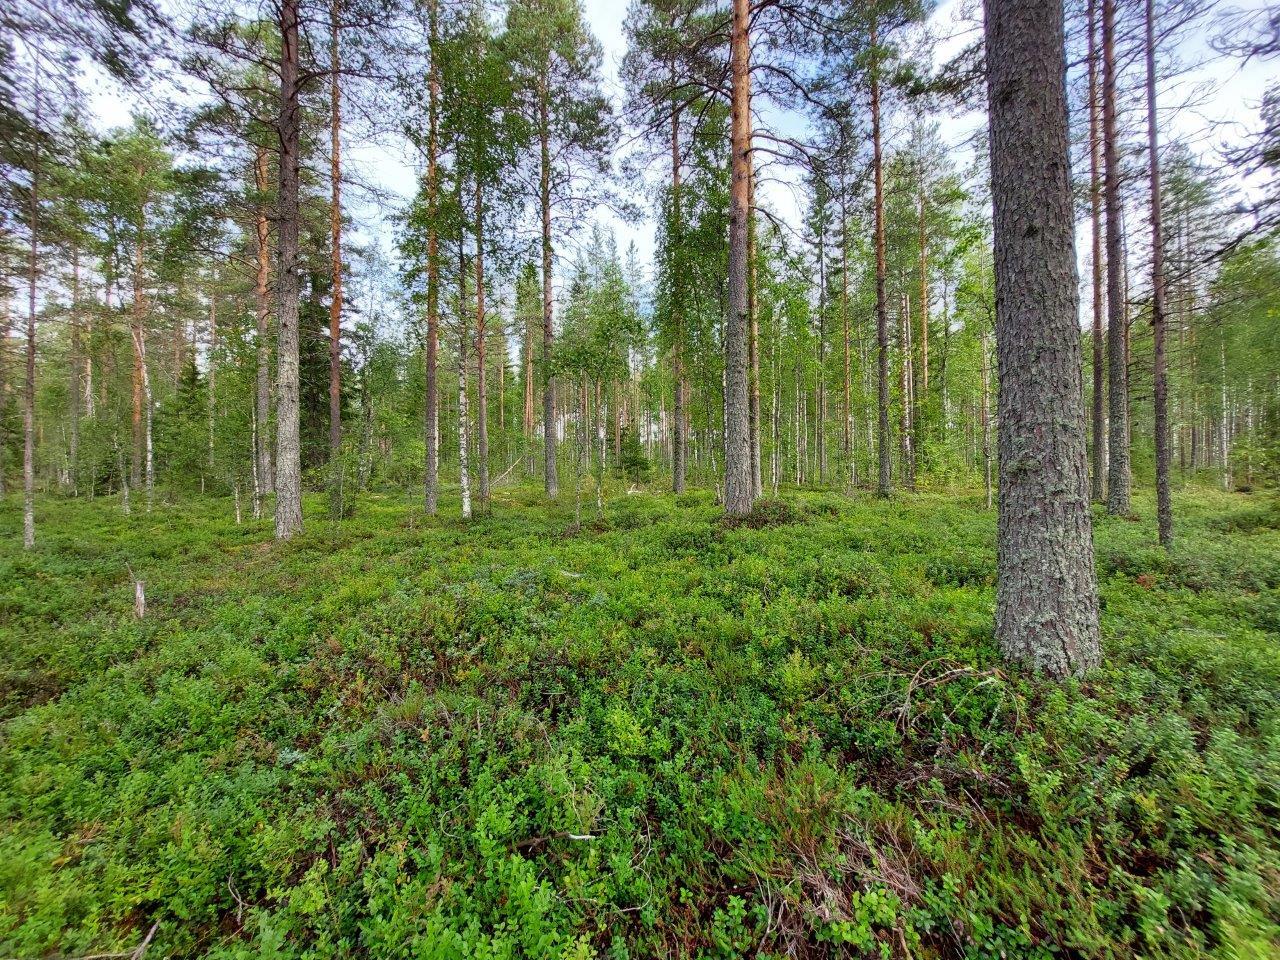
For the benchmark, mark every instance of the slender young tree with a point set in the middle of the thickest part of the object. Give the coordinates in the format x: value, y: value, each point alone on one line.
x: 432, y: 358
x: 883, y: 441
x: 1046, y: 588
x: 1118, y: 478
x: 1099, y: 476
x: 335, y: 263
x: 1164, y: 506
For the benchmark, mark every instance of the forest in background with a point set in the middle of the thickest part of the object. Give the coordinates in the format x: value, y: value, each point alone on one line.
x: 141, y: 265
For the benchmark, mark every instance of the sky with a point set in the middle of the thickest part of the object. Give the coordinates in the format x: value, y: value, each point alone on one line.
x: 1225, y: 108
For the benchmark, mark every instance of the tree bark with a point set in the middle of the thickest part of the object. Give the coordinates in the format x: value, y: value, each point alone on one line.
x: 1118, y: 480
x: 482, y: 395
x: 753, y: 338
x: 1164, y: 506
x: 29, y: 386
x: 288, y: 519
x: 551, y: 480
x: 335, y: 265
x: 679, y: 434
x: 464, y: 334
x: 431, y: 426
x: 737, y: 459
x: 1099, y: 486
x: 1046, y: 590
x: 262, y: 304
x: 73, y: 392
x: 885, y: 484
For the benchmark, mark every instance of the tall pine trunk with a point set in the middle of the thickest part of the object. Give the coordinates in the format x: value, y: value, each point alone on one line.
x: 1099, y: 485
x: 431, y: 425
x: 262, y: 304
x: 737, y: 454
x: 1164, y: 506
x: 29, y: 385
x: 482, y: 395
x: 73, y: 392
x: 885, y: 485
x: 1046, y: 588
x: 1118, y: 479
x: 551, y: 479
x: 288, y: 519
x: 679, y: 434
x: 335, y: 267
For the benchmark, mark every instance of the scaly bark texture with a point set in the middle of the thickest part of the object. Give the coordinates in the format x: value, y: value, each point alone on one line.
x: 1046, y: 588
x: 288, y: 520
x: 885, y: 484
x: 1099, y: 486
x: 1118, y: 479
x: 1164, y: 505
x: 737, y: 453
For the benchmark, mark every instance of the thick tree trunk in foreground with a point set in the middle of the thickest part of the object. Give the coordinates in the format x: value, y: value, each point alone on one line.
x: 1118, y: 479
x: 1099, y: 486
x: 262, y: 305
x: 737, y: 455
x: 431, y: 426
x: 1046, y: 591
x: 288, y: 519
x: 1164, y: 506
x: 885, y: 484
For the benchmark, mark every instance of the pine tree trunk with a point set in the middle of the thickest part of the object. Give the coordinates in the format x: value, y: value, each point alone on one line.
x: 482, y: 395
x: 431, y: 425
x: 737, y: 454
x: 847, y: 448
x: 753, y: 338
x: 1046, y: 590
x: 262, y: 305
x: 1099, y: 485
x: 73, y: 391
x: 1164, y: 506
x: 135, y: 473
x: 885, y: 484
x: 335, y: 268
x: 679, y: 433
x: 1118, y: 480
x: 29, y: 385
x: 552, y: 481
x: 464, y: 334
x: 288, y: 519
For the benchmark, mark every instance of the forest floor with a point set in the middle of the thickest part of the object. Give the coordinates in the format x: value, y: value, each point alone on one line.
x: 656, y: 735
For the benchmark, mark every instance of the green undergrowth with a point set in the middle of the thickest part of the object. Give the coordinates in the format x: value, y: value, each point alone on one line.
x: 652, y: 735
